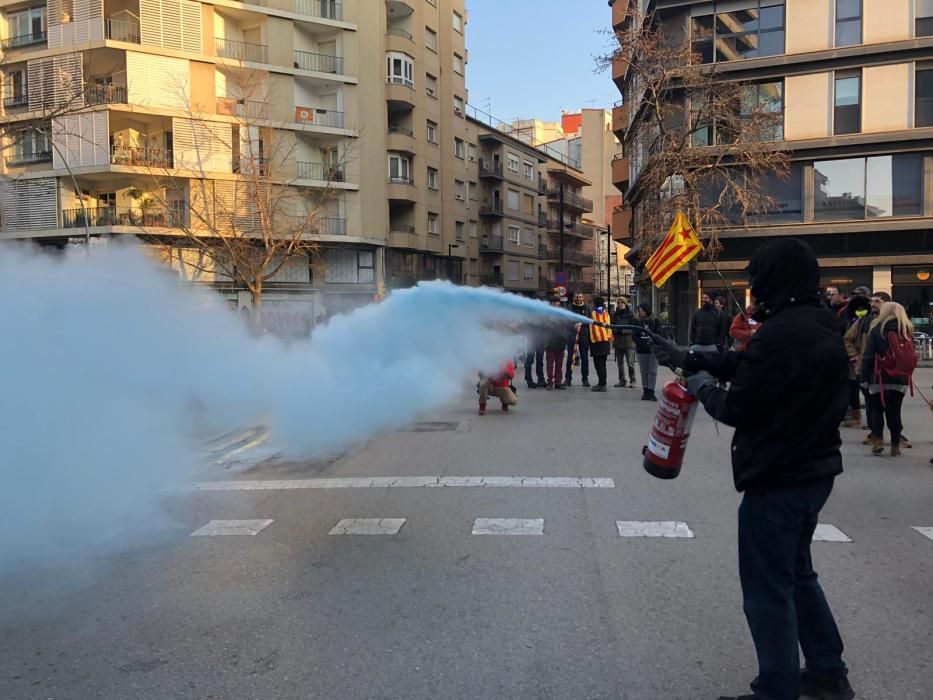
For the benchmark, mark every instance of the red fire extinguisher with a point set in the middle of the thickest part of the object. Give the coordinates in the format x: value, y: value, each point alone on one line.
x: 664, y: 453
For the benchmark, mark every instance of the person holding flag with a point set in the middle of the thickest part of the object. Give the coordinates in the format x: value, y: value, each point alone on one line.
x: 600, y: 340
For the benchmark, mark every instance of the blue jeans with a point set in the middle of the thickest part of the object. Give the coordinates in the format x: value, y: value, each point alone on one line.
x: 783, y: 601
x: 584, y: 355
x: 536, y: 358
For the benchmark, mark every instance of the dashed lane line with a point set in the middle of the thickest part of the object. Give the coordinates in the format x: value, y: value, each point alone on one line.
x: 566, y: 482
x: 217, y: 528
x: 648, y: 528
x: 368, y: 526
x: 508, y: 526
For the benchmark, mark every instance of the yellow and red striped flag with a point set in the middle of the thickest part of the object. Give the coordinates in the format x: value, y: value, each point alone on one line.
x: 679, y: 247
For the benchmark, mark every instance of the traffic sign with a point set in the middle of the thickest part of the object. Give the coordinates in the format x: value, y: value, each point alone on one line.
x: 561, y: 291
x: 633, y: 289
x: 561, y: 279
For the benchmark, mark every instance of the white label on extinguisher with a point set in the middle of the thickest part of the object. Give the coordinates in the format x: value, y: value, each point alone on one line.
x: 657, y: 448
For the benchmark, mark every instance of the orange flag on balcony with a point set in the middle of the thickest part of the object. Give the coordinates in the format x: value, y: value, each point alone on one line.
x: 679, y: 247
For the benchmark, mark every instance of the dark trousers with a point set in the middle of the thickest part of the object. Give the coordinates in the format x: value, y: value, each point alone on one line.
x: 584, y: 353
x: 868, y: 408
x: 626, y: 357
x: 536, y: 358
x: 855, y: 397
x: 890, y: 411
x: 783, y: 601
x: 555, y: 363
x: 599, y: 361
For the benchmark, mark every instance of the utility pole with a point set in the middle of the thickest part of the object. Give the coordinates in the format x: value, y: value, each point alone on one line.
x: 608, y: 262
x: 560, y: 214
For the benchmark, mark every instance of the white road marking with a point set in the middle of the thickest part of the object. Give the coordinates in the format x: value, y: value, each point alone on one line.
x: 925, y: 531
x: 829, y: 533
x: 508, y: 526
x: 231, y: 527
x: 568, y: 482
x: 368, y: 526
x: 647, y: 528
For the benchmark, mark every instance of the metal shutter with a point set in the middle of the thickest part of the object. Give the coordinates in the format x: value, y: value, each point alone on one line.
x: 56, y: 81
x: 29, y: 204
x: 81, y: 139
x: 158, y: 81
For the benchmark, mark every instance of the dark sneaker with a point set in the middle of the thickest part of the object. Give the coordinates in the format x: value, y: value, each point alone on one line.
x: 532, y: 385
x: 542, y: 383
x: 561, y: 386
x: 586, y: 382
x: 568, y: 382
x: 738, y: 697
x: 813, y: 688
x: 619, y: 385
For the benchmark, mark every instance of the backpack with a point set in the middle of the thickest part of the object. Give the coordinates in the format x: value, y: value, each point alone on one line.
x: 899, y: 361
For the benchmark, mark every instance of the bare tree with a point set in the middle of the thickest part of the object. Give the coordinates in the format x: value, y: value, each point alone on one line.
x: 699, y: 141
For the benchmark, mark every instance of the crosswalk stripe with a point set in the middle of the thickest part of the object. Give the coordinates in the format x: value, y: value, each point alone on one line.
x: 570, y: 482
x: 925, y: 531
x: 508, y: 526
x: 648, y: 528
x: 368, y: 526
x: 829, y: 533
x: 217, y: 528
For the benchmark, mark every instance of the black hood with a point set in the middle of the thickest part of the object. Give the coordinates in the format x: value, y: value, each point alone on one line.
x: 857, y: 303
x: 783, y: 272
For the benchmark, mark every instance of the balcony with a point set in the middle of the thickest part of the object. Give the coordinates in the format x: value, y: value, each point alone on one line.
x: 320, y: 171
x: 241, y: 50
x: 17, y: 42
x: 123, y: 216
x: 542, y: 218
x: 29, y: 158
x: 402, y: 189
x: 319, y: 117
x: 398, y: 31
x: 570, y: 229
x: 619, y: 13
x: 572, y: 200
x: 491, y: 244
x: 141, y: 157
x: 400, y: 93
x: 318, y: 62
x: 493, y: 208
x: 325, y: 9
x: 122, y: 30
x: 332, y: 226
x: 490, y: 170
x: 401, y: 139
x: 105, y: 94
x: 542, y: 186
x: 619, y: 69
x: 13, y: 101
x: 622, y: 225
x: 402, y: 236
x: 491, y: 280
x: 247, y: 165
x: 619, y: 119
x: 620, y: 173
x: 245, y: 109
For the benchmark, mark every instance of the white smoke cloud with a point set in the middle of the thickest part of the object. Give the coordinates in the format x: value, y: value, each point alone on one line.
x: 112, y: 373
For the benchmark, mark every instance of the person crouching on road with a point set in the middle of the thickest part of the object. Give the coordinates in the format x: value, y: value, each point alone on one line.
x: 647, y: 363
x: 600, y: 341
x: 788, y: 394
x: 500, y: 386
x: 554, y: 349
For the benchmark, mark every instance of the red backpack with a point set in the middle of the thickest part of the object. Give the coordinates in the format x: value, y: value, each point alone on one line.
x: 899, y: 361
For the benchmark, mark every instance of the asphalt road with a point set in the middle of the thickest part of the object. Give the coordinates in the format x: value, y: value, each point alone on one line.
x: 437, y: 612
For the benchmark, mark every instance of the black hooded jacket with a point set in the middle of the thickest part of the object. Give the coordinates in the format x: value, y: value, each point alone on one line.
x: 789, y: 387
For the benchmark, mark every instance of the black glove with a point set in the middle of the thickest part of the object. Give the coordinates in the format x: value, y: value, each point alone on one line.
x: 668, y: 353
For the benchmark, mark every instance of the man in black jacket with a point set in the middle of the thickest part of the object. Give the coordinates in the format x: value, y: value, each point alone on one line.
x: 706, y: 326
x: 579, y: 341
x: 786, y: 400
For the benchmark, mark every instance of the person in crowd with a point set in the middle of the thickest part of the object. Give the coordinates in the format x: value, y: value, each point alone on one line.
x: 500, y: 386
x: 600, y: 341
x: 706, y: 327
x: 743, y: 328
x: 886, y: 371
x: 855, y: 339
x: 856, y: 309
x: 723, y: 340
x: 578, y: 343
x: 534, y: 360
x: 554, y: 349
x: 787, y: 396
x: 647, y: 363
x: 624, y: 342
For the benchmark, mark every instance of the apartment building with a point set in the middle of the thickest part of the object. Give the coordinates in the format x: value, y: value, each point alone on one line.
x: 369, y: 97
x: 853, y: 83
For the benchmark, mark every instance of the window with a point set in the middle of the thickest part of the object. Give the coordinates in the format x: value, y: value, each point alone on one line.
x: 473, y: 229
x: 460, y: 190
x: 432, y: 223
x: 430, y: 38
x: 30, y: 146
x: 432, y: 131
x: 848, y: 22
x: 472, y: 192
x: 528, y: 271
x: 458, y: 64
x: 471, y: 152
x: 528, y: 204
x: 400, y: 69
x: 923, y: 11
x: 847, y: 115
x: 14, y: 88
x: 513, y: 200
x: 458, y: 148
x: 753, y: 28
x: 514, y: 235
x: 458, y: 22
x: 458, y: 105
x: 458, y: 228
x: 512, y: 162
x: 923, y: 112
x: 529, y: 238
x: 529, y: 171
x: 868, y: 188
x: 512, y: 268
x: 348, y: 266
x: 430, y: 85
x: 432, y: 178
x: 26, y: 27
x: 766, y: 97
x: 400, y: 168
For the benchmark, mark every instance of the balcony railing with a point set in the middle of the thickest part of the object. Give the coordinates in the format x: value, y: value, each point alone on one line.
x: 15, y: 42
x: 542, y: 251
x: 122, y: 30
x: 493, y: 243
x: 150, y: 157
x: 403, y: 130
x: 319, y: 62
x: 571, y: 229
x: 332, y: 226
x: 487, y: 169
x: 252, y: 166
x: 542, y: 186
x: 402, y: 228
x: 241, y: 50
x: 400, y: 80
x: 247, y: 109
x: 319, y: 117
x: 491, y: 280
x: 319, y: 171
x: 493, y: 208
x: 398, y: 31
x: 401, y: 180
x: 571, y: 199
x: 20, y: 100
x: 105, y: 94
x: 124, y: 216
x: 326, y: 9
x: 29, y: 158
x: 542, y: 218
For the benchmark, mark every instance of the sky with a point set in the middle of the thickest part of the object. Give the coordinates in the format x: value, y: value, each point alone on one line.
x: 534, y: 58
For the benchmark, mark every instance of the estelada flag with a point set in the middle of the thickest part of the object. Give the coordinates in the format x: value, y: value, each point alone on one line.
x: 679, y: 247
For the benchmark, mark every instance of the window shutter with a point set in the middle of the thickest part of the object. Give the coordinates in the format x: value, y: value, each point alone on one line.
x: 158, y: 81
x: 202, y: 147
x: 56, y: 81
x: 81, y: 139
x: 29, y: 204
x: 173, y: 24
